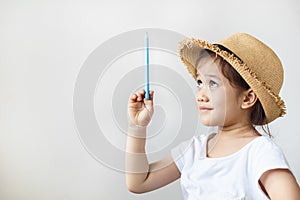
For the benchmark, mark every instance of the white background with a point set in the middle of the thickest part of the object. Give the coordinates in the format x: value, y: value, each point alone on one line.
x: 42, y: 47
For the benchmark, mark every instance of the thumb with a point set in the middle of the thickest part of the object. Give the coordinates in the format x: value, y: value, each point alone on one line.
x: 149, y: 102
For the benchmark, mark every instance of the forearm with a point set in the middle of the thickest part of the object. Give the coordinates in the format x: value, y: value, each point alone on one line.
x: 140, y: 175
x: 137, y: 166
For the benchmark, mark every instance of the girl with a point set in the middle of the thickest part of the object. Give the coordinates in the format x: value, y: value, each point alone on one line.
x: 238, y: 81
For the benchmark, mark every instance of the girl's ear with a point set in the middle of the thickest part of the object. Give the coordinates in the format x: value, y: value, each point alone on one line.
x: 249, y: 99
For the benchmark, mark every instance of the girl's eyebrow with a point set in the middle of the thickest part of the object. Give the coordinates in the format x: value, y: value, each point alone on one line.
x: 213, y: 76
x: 209, y: 75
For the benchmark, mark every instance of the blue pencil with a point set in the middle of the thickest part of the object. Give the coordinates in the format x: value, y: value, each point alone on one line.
x: 147, y: 87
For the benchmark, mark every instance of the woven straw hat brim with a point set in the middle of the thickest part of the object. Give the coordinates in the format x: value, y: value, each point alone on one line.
x: 273, y: 105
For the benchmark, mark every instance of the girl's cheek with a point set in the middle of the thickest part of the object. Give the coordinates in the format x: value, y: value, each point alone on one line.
x: 217, y: 94
x: 218, y: 99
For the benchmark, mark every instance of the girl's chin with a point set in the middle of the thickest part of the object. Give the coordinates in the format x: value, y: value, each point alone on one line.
x: 206, y: 123
x: 210, y: 122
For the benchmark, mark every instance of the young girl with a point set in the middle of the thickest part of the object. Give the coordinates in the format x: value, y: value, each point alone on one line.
x: 238, y: 82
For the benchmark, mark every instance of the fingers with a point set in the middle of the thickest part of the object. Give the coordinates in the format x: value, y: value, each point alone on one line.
x: 137, y: 97
x: 133, y: 98
x: 140, y: 96
x: 151, y: 98
x: 151, y: 95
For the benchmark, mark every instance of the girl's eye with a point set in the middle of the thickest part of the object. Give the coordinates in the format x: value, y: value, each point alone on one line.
x: 199, y: 83
x: 212, y: 84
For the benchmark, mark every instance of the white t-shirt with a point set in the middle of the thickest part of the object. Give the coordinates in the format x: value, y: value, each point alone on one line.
x: 231, y: 177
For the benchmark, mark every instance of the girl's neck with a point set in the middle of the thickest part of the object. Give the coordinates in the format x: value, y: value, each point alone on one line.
x: 238, y: 131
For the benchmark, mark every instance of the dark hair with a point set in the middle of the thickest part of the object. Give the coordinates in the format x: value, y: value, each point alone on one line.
x: 258, y: 116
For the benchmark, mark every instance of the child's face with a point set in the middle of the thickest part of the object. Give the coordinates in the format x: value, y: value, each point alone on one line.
x: 218, y: 103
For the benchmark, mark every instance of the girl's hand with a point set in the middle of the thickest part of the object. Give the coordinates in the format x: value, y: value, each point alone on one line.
x: 140, y: 109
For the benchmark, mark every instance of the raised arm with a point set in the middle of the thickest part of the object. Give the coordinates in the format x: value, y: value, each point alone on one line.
x: 140, y: 175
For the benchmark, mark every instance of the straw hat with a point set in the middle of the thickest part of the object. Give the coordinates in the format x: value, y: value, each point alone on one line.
x: 253, y: 60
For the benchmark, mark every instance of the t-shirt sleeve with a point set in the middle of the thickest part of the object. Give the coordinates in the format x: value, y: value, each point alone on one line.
x: 268, y: 156
x: 180, y: 153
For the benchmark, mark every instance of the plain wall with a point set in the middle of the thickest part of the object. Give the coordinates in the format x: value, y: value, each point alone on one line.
x: 43, y: 45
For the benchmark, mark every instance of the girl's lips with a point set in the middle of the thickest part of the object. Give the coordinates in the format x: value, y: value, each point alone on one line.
x: 201, y: 108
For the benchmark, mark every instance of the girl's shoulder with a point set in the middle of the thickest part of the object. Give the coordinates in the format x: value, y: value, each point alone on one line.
x: 267, y: 155
x: 265, y: 144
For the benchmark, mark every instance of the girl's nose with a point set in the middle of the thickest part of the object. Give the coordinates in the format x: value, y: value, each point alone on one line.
x: 202, y: 96
x: 202, y: 99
